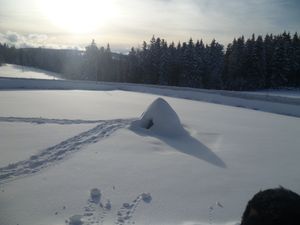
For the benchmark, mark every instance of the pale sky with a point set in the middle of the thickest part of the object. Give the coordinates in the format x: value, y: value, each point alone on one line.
x: 127, y: 23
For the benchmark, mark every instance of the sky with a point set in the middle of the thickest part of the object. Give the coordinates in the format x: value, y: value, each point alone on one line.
x: 127, y: 23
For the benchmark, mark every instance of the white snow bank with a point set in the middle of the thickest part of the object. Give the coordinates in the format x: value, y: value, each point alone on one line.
x: 275, y: 104
x: 284, y: 92
x: 163, y: 123
x: 17, y: 71
x: 161, y: 119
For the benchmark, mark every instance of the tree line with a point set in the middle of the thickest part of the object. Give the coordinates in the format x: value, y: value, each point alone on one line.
x: 271, y: 61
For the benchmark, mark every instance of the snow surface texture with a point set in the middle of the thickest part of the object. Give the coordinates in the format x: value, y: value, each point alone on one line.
x: 16, y: 71
x: 95, y: 212
x: 260, y: 150
x: 204, y: 177
x: 264, y: 102
x: 21, y: 140
x: 58, y: 152
x: 283, y: 92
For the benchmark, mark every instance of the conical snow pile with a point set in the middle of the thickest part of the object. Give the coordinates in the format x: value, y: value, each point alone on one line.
x: 161, y: 119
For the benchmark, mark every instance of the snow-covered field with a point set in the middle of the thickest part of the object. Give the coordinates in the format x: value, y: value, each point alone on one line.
x: 16, y: 71
x: 58, y: 145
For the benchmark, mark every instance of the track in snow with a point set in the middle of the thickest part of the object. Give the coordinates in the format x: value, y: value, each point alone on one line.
x: 52, y: 155
x: 40, y: 120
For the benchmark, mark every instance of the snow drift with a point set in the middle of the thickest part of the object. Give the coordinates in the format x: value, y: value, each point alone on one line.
x: 161, y: 119
x: 164, y: 124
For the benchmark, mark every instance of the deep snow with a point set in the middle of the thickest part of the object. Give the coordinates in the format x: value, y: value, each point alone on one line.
x: 231, y: 154
x: 63, y: 144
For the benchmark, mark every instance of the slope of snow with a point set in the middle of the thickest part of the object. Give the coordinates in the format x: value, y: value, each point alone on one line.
x: 16, y: 71
x: 228, y: 155
x: 289, y: 93
x: 268, y: 103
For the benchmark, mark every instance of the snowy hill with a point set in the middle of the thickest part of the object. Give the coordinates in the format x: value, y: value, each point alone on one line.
x: 16, y: 71
x: 58, y: 145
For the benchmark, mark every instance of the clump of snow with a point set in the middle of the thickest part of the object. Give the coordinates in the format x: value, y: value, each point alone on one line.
x: 108, y: 205
x: 75, y: 220
x: 161, y: 119
x: 146, y: 197
x: 95, y: 195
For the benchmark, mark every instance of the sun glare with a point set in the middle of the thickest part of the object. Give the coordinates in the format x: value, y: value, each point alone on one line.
x: 78, y: 16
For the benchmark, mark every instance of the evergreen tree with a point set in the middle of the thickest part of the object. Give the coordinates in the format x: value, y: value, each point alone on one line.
x: 200, y: 60
x: 91, y: 62
x: 280, y: 62
x: 215, y: 60
x: 164, y: 64
x: 295, y: 73
x: 234, y: 78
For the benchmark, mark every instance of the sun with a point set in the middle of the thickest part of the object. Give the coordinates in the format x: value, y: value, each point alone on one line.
x: 78, y: 16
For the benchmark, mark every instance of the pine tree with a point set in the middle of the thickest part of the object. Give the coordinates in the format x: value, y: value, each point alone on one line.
x: 280, y: 62
x: 269, y: 51
x: 215, y: 60
x: 174, y: 69
x: 295, y: 77
x: 164, y: 64
x: 200, y: 67
x: 91, y: 63
x: 235, y: 79
x: 255, y: 64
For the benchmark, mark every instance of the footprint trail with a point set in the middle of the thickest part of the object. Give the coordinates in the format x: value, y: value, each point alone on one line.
x: 56, y: 153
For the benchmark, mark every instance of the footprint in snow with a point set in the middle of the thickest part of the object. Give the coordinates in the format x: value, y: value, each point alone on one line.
x: 125, y: 213
x: 96, y: 210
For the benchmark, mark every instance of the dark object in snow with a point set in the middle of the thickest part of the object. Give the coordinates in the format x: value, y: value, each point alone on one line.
x: 95, y: 195
x: 33, y: 157
x: 149, y: 124
x: 126, y: 205
x: 146, y: 197
x: 108, y: 205
x: 75, y: 220
x: 277, y: 206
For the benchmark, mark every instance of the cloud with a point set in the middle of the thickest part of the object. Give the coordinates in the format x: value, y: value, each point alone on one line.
x: 21, y: 41
x: 12, y: 37
x: 32, y: 41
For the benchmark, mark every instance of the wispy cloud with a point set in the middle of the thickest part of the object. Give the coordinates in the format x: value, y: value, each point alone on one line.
x: 32, y: 40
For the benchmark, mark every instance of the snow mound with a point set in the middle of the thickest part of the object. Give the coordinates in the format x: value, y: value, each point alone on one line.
x: 146, y: 197
x: 75, y: 220
x: 95, y: 195
x: 161, y: 119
